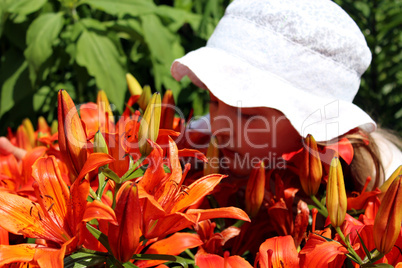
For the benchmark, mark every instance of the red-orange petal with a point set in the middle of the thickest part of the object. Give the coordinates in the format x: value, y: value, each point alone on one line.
x: 173, y: 245
x: 52, y: 186
x: 284, y: 252
x: 197, y: 190
x: 225, y: 212
x: 94, y: 161
x: 98, y: 210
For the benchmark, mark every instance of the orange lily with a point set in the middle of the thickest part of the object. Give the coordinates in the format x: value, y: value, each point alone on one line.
x: 173, y: 245
x: 278, y: 252
x: 206, y: 260
x: 124, y: 238
x: 56, y: 217
x: 318, y: 252
x: 166, y: 199
x: 72, y: 137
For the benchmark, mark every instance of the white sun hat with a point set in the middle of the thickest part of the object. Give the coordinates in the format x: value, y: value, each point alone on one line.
x: 302, y: 57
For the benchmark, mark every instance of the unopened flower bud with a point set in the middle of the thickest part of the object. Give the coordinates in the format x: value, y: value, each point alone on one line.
x: 145, y: 97
x: 255, y: 190
x: 72, y: 137
x: 336, y: 194
x: 149, y: 125
x: 387, y: 223
x: 29, y: 131
x: 212, y: 166
x: 133, y: 86
x: 311, y: 169
x: 168, y: 110
x: 384, y: 187
x: 100, y: 145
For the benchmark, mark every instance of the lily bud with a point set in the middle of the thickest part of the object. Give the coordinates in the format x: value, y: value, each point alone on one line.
x: 149, y: 126
x: 43, y: 127
x: 72, y: 137
x: 54, y: 128
x: 100, y: 145
x: 145, y: 97
x: 30, y: 131
x: 384, y: 187
x: 104, y: 107
x: 387, y: 223
x: 336, y: 194
x: 23, y: 141
x: 125, y: 237
x: 255, y: 190
x: 133, y: 86
x: 212, y: 166
x: 168, y: 110
x: 311, y: 169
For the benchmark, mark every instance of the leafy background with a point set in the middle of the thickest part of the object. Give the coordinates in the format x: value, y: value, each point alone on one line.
x: 86, y: 45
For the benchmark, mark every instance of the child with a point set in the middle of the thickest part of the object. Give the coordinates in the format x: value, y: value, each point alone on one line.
x: 278, y: 70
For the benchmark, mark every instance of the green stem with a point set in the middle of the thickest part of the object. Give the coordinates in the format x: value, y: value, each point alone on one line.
x: 116, y: 189
x: 92, y: 193
x: 321, y: 208
x: 350, y: 249
x: 190, y: 254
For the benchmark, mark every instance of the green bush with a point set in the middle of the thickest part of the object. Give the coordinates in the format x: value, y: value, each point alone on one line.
x: 86, y: 45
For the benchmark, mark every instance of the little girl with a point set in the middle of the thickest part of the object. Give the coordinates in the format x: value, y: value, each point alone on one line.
x: 278, y: 70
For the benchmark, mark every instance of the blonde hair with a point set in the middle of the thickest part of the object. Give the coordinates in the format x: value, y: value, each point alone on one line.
x: 367, y: 160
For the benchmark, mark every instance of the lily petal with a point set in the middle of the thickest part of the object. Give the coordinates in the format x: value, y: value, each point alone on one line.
x: 284, y: 253
x: 94, y: 161
x: 173, y: 245
x: 98, y: 210
x: 197, y: 190
x: 225, y: 212
x: 52, y: 186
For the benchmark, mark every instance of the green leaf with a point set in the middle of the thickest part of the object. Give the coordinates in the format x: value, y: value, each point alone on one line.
x: 41, y: 34
x: 25, y: 7
x: 14, y: 80
x: 101, y: 237
x: 368, y: 254
x: 84, y: 259
x: 101, y: 58
x: 165, y: 47
x: 107, y: 172
x: 122, y: 7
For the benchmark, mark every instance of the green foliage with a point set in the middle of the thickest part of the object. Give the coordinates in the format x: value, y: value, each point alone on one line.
x: 381, y: 88
x: 86, y: 45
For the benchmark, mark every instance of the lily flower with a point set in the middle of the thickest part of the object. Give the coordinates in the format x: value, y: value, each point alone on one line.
x: 124, y: 238
x: 278, y: 252
x: 167, y: 199
x: 56, y: 216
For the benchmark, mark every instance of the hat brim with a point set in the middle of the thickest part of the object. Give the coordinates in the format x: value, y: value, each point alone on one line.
x: 240, y: 84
